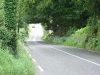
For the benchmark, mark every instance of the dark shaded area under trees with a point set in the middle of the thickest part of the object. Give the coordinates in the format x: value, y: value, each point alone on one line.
x: 61, y: 15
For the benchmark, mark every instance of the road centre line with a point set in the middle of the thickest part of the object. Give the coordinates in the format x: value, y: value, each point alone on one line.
x: 76, y: 56
x: 97, y: 64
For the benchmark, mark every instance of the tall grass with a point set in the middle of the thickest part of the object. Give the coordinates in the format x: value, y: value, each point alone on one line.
x: 78, y: 38
x: 20, y: 64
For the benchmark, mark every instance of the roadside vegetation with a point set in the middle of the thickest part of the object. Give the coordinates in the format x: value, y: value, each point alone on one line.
x: 14, y: 59
x: 76, y: 39
x: 20, y: 64
x: 72, y: 22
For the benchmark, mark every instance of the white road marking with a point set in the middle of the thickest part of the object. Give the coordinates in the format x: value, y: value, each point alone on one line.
x: 30, y: 56
x: 76, y: 56
x: 40, y: 68
x: 34, y: 60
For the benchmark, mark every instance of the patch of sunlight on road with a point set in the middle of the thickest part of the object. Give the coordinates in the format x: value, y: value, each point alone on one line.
x: 36, y: 32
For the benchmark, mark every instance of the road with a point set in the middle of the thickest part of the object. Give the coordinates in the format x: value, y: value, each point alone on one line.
x: 63, y: 60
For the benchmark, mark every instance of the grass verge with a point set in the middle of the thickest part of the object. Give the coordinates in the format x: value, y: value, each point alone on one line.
x: 77, y: 39
x: 20, y: 64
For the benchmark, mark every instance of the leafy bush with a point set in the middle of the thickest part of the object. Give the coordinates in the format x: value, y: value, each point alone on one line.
x: 22, y: 34
x: 54, y: 39
x: 71, y: 30
x: 78, y: 38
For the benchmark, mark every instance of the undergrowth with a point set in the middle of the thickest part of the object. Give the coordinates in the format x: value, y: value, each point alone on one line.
x: 20, y: 64
x: 77, y: 39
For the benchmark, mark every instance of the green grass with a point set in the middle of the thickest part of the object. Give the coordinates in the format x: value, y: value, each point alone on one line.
x: 78, y: 39
x: 20, y: 64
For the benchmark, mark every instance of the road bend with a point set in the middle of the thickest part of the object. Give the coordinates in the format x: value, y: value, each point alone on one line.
x: 63, y: 60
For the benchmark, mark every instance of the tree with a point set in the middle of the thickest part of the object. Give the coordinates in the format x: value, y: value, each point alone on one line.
x: 59, y: 15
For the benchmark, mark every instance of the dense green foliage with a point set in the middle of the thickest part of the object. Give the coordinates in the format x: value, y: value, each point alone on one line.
x: 13, y: 16
x: 61, y: 16
x: 10, y: 22
x: 77, y: 39
x: 13, y: 29
x: 72, y: 22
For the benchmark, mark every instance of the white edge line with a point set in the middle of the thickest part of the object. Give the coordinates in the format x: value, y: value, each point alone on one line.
x: 34, y: 60
x: 30, y: 55
x: 76, y: 56
x: 40, y: 68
